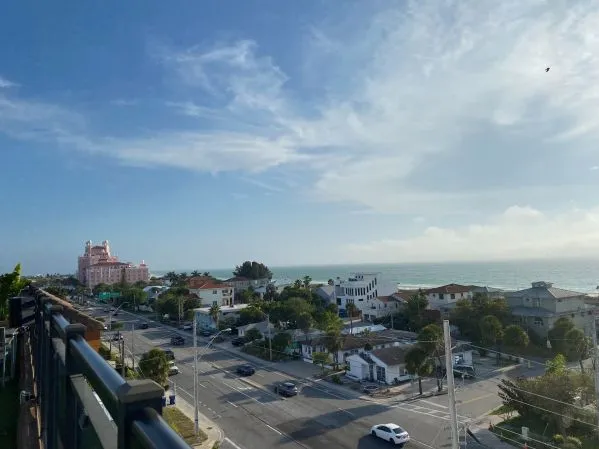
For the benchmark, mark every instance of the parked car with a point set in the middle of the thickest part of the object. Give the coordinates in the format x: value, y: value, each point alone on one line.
x: 177, y: 340
x: 245, y: 370
x: 206, y: 332
x: 170, y: 355
x: 117, y: 337
x: 172, y: 368
x: 187, y: 327
x: 464, y: 371
x: 370, y: 389
x: 239, y: 341
x: 287, y: 389
x: 144, y: 326
x: 391, y: 433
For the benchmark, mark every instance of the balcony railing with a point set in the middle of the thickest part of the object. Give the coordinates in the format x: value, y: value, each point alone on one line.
x: 69, y: 371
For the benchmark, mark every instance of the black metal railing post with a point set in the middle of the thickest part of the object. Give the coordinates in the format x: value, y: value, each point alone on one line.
x: 134, y: 397
x: 50, y: 377
x: 70, y: 428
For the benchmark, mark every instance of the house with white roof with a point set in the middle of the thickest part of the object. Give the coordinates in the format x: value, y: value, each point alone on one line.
x: 362, y: 289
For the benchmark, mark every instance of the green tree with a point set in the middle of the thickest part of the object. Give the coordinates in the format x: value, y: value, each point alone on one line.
x: 557, y: 366
x: 578, y: 346
x: 251, y: 314
x: 491, y: 333
x: 252, y: 270
x: 10, y: 285
x: 321, y: 358
x: 305, y: 322
x: 271, y: 293
x: 557, y: 335
x: 195, y: 273
x: 253, y: 334
x: 214, y: 313
x: 333, y: 343
x: 430, y: 340
x: 154, y: 365
x: 515, y: 337
x: 414, y: 309
x: 306, y: 281
x: 297, y: 284
x: 281, y: 341
x: 351, y: 311
x: 418, y: 363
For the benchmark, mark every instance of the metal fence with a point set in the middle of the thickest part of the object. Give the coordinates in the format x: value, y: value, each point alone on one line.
x: 71, y: 375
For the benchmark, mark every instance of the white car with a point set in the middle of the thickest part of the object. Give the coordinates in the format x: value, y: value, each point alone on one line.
x: 172, y: 368
x: 390, y: 432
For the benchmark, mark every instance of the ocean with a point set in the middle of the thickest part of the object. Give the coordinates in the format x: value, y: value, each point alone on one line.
x: 570, y: 274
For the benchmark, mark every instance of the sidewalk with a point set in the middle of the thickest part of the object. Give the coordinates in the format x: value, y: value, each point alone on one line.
x: 210, y: 428
x: 487, y: 439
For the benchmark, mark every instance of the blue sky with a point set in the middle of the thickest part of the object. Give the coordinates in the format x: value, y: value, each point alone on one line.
x: 202, y: 134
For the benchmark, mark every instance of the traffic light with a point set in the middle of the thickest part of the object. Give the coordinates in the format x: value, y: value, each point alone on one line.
x: 21, y: 310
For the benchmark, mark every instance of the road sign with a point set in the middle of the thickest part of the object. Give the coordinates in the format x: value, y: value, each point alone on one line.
x: 525, y: 433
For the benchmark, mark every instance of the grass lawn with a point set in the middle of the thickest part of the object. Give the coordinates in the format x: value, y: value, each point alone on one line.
x: 9, y: 407
x: 182, y: 425
x: 510, y: 428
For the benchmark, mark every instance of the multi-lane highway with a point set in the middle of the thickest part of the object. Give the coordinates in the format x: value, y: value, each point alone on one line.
x: 251, y: 415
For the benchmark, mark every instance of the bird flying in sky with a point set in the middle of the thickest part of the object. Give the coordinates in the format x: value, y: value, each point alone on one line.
x: 547, y: 69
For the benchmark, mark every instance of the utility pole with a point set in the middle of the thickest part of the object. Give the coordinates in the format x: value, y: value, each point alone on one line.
x: 196, y: 419
x: 596, y: 363
x: 455, y: 436
x: 122, y: 347
x: 269, y: 335
x: 133, y: 346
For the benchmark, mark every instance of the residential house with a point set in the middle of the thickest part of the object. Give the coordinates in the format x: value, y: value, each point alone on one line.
x: 354, y: 344
x: 361, y: 289
x: 327, y: 293
x: 382, y: 306
x: 444, y: 298
x: 264, y: 327
x: 358, y: 327
x: 205, y: 321
x: 211, y: 292
x: 489, y: 292
x: 239, y: 283
x: 385, y: 365
x: 539, y: 307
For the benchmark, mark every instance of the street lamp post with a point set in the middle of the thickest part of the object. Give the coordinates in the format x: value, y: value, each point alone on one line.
x: 111, y: 314
x: 195, y: 371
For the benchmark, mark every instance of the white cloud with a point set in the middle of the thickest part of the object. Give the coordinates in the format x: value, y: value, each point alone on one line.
x: 518, y: 233
x: 4, y: 83
x: 407, y: 84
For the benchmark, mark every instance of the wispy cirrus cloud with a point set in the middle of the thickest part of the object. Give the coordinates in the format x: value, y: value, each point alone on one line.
x: 4, y: 83
x: 520, y: 232
x: 411, y: 82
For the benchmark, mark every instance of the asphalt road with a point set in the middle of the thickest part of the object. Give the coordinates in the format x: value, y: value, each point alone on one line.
x: 252, y: 416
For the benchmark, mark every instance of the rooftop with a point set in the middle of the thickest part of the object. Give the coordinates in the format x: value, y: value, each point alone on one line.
x: 545, y: 290
x: 223, y: 309
x: 449, y: 288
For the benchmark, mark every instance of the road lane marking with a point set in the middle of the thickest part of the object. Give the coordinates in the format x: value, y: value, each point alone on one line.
x: 433, y: 403
x: 232, y: 404
x: 232, y: 444
x: 272, y: 428
x: 478, y: 398
x: 202, y: 385
x: 345, y: 411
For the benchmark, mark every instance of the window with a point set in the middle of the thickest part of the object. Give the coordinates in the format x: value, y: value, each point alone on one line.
x: 538, y: 321
x: 453, y: 296
x: 380, y: 373
x: 440, y: 295
x: 214, y: 292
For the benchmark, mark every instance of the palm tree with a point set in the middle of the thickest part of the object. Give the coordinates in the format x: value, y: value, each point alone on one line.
x: 306, y: 281
x: 297, y: 284
x: 206, y: 273
x: 214, y: 313
x: 418, y: 363
x: 195, y: 273
x: 351, y: 311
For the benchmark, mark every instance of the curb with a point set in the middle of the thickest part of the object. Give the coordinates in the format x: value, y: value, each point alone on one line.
x: 211, y: 426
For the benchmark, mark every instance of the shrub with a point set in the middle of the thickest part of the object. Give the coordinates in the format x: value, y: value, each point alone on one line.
x: 105, y: 352
x: 557, y: 438
x: 335, y: 379
x: 573, y: 442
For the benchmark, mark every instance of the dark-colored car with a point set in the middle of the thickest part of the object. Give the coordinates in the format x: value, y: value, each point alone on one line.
x: 144, y: 325
x: 464, y: 372
x: 239, y: 341
x: 170, y: 355
x: 206, y: 332
x: 177, y: 340
x: 287, y: 389
x: 245, y: 370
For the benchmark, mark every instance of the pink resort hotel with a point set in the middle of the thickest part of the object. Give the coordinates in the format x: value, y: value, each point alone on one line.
x: 98, y: 266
